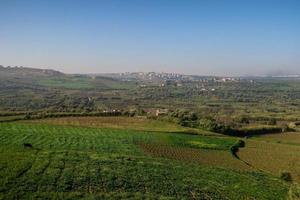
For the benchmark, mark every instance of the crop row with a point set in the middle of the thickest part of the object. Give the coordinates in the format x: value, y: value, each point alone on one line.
x: 201, y: 156
x: 72, y: 162
x: 83, y: 173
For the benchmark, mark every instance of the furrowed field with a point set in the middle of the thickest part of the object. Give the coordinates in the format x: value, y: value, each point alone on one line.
x: 94, y: 162
x: 275, y: 153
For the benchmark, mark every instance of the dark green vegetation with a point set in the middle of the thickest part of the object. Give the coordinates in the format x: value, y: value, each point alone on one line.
x: 26, y: 90
x: 235, y: 147
x: 74, y: 162
x: 239, y: 107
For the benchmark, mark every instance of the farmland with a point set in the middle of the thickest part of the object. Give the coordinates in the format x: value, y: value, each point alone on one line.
x: 274, y: 154
x: 115, y: 123
x: 149, y: 100
x: 85, y: 162
x: 116, y: 136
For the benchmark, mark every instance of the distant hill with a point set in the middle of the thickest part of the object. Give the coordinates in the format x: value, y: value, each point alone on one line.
x: 32, y: 77
x: 28, y: 72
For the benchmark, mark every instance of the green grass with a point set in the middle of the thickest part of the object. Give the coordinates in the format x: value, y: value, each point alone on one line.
x: 83, y: 82
x: 101, y: 140
x: 95, y: 163
x: 68, y: 83
x: 202, y: 142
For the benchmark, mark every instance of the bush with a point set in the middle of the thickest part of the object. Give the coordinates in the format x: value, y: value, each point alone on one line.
x: 241, y: 143
x: 235, y: 147
x: 27, y: 116
x: 286, y: 176
x: 272, y: 122
x: 243, y: 120
x: 214, y: 126
x: 255, y: 131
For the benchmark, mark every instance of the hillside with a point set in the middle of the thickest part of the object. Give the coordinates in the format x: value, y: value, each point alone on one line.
x: 74, y: 136
x: 39, y: 160
x: 28, y: 89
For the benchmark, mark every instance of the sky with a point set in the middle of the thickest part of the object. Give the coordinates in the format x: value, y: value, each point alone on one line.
x: 204, y: 37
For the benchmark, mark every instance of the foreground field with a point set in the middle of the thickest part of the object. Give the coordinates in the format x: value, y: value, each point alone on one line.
x: 68, y: 162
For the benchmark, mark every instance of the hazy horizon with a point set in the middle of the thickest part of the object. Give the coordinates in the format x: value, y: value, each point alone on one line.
x: 232, y: 38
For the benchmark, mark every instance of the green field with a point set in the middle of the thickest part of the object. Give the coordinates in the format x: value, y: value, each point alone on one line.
x: 68, y: 162
x: 84, y: 82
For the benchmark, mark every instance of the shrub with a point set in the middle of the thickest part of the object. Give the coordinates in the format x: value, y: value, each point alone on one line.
x: 27, y: 116
x: 241, y: 143
x: 286, y: 176
x: 212, y: 125
x: 235, y: 147
x: 272, y: 122
x: 243, y: 120
x: 27, y: 145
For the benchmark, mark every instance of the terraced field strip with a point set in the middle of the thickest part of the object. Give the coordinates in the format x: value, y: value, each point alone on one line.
x: 71, y: 138
x: 129, y: 123
x: 98, y: 139
x: 292, y: 138
x: 201, y: 156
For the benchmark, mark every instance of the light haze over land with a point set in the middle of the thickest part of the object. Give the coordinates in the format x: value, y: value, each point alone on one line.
x: 190, y: 37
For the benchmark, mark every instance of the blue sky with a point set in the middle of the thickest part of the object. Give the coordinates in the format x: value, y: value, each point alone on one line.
x: 209, y: 37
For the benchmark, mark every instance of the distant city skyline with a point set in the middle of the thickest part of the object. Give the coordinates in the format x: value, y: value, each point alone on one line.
x: 225, y: 38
